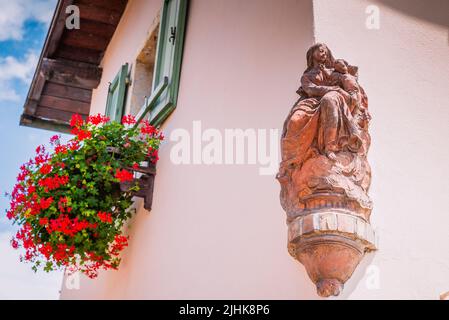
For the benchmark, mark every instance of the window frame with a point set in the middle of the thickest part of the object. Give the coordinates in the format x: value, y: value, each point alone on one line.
x: 174, y: 15
x: 115, y: 103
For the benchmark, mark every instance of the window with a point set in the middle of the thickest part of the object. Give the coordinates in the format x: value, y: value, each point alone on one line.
x: 168, y: 58
x: 155, y: 72
x: 142, y: 71
x: 116, y: 95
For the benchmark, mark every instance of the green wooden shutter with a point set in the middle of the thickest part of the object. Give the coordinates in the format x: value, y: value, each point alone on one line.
x: 168, y: 58
x: 116, y: 95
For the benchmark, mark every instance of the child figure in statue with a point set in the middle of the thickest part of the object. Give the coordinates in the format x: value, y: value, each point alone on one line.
x: 342, y: 78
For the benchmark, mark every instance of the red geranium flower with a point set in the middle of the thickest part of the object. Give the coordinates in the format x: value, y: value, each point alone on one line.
x: 97, y: 119
x: 105, y: 217
x: 10, y: 214
x: 148, y: 129
x: 52, y: 183
x: 129, y: 119
x: 14, y: 244
x: 45, y: 169
x: 76, y: 121
x: 46, y: 250
x: 60, y: 149
x: 74, y: 145
x: 81, y: 134
x: 153, y: 154
x: 120, y: 243
x: 46, y: 203
x: 54, y: 139
x: 124, y: 175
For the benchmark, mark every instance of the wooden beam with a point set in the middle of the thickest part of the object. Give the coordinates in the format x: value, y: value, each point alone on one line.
x: 57, y: 103
x: 30, y: 107
x: 95, y: 28
x: 34, y: 122
x: 38, y: 86
x: 74, y: 74
x: 81, y: 39
x: 78, y: 54
x: 91, y: 12
x: 72, y: 93
x: 57, y: 28
x: 113, y: 5
x: 55, y: 114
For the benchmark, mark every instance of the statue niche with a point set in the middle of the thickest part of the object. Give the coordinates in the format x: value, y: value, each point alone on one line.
x: 324, y: 173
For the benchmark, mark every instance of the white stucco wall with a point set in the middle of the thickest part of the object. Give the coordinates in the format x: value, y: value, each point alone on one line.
x: 215, y: 231
x: 219, y: 231
x: 404, y: 67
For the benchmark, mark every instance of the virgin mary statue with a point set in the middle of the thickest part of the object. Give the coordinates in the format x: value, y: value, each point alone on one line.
x: 324, y: 173
x: 325, y: 141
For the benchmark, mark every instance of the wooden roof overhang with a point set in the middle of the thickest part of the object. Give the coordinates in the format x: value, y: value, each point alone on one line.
x: 69, y: 66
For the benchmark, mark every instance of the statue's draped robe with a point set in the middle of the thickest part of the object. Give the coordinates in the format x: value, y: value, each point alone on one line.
x: 322, y: 121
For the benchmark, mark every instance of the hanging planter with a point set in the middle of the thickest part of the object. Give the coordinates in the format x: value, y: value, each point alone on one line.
x: 71, y: 203
x: 145, y: 182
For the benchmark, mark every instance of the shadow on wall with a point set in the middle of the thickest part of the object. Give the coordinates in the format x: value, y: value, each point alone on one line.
x: 434, y: 11
x: 358, y: 278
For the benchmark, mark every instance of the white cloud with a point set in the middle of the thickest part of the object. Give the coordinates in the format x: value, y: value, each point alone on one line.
x: 18, y: 281
x: 12, y: 69
x: 14, y: 14
x: 8, y: 94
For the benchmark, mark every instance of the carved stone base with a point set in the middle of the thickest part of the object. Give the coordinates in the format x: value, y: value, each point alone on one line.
x: 330, y: 244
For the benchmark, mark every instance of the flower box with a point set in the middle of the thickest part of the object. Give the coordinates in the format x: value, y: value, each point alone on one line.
x: 72, y: 203
x: 145, y: 184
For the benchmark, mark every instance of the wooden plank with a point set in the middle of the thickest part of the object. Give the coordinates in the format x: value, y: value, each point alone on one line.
x: 78, y: 54
x: 55, y: 115
x: 74, y: 74
x: 145, y: 170
x: 73, y: 81
x: 64, y: 104
x: 96, y: 28
x: 81, y: 39
x: 113, y: 5
x: 39, y: 83
x: 57, y: 90
x: 85, y: 70
x: 30, y: 107
x: 91, y: 12
x: 34, y: 122
x: 57, y: 27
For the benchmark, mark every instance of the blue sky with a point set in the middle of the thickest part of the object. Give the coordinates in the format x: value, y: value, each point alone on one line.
x: 23, y: 27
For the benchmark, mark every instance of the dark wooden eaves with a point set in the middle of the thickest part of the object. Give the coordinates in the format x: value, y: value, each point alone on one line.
x: 69, y: 66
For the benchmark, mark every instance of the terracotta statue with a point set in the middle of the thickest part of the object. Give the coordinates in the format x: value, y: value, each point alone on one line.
x: 324, y: 173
